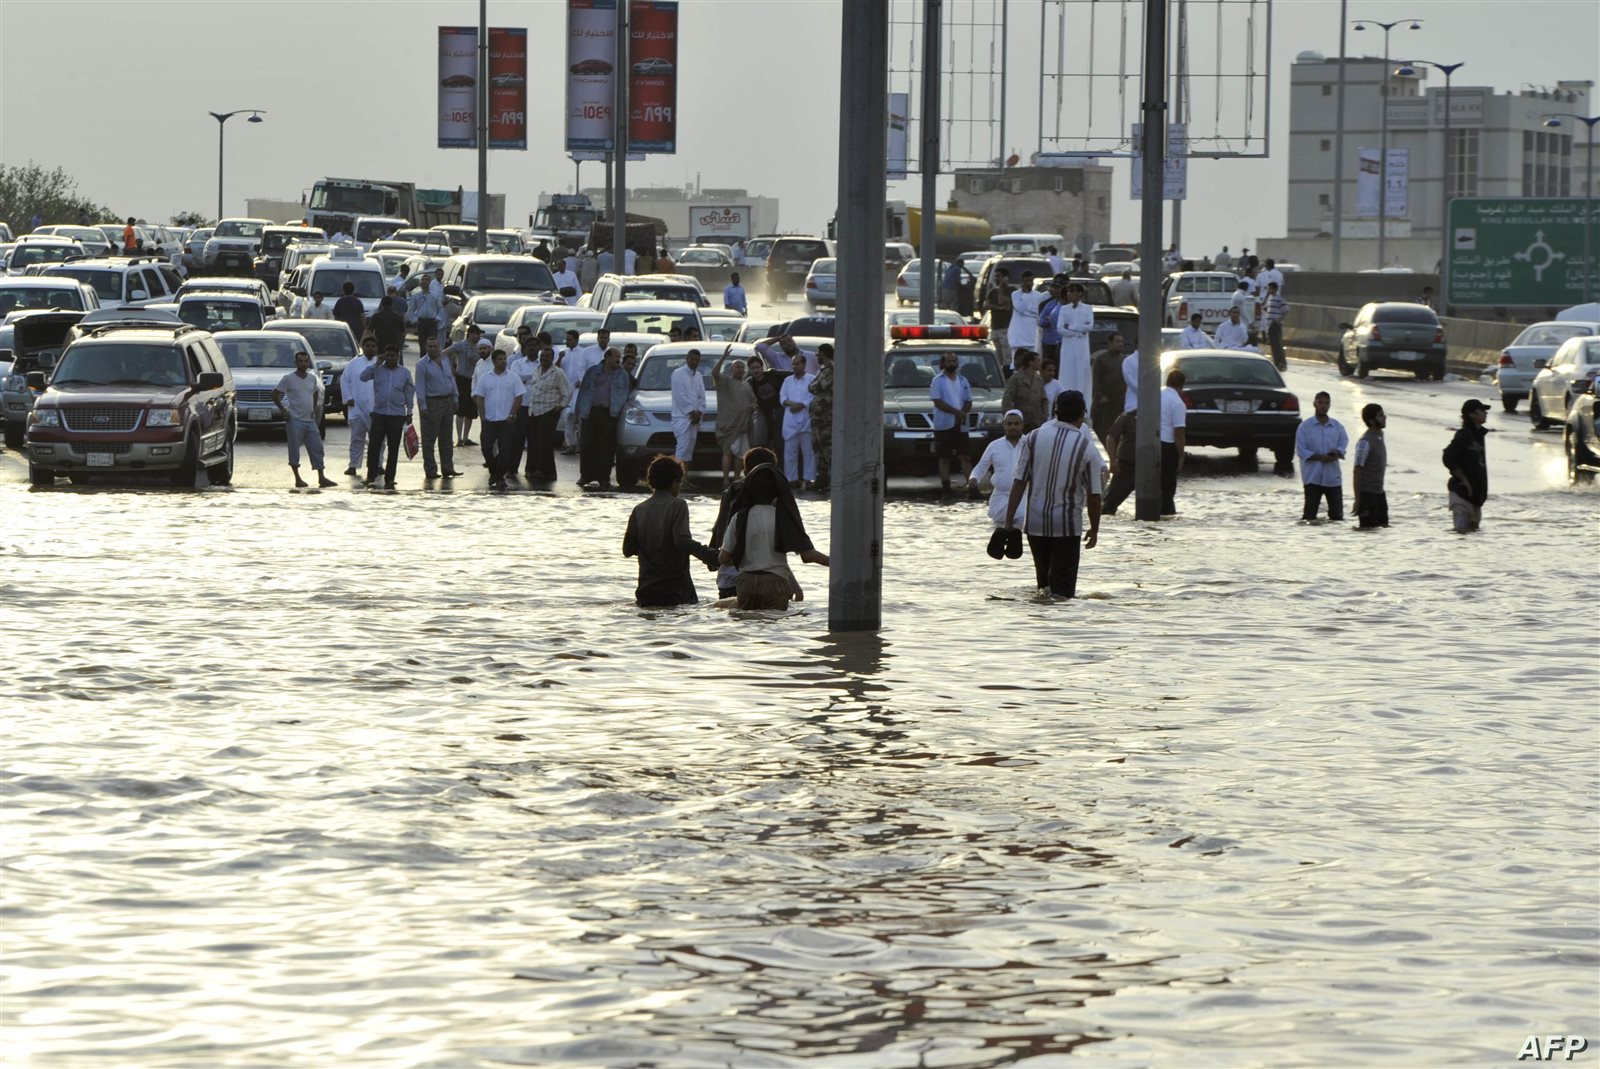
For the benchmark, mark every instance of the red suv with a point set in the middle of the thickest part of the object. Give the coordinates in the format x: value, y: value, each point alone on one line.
x: 134, y: 398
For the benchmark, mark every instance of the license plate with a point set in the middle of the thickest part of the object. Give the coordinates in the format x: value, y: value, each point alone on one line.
x: 914, y: 434
x: 261, y: 414
x: 102, y: 460
x: 1236, y: 406
x: 1407, y: 355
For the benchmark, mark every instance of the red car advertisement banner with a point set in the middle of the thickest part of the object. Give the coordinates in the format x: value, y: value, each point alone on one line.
x: 653, y: 76
x: 458, y: 87
x: 508, y: 87
x: 591, y: 74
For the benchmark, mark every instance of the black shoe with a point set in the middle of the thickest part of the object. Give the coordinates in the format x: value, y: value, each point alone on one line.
x: 997, y: 543
x: 299, y: 483
x: 453, y: 474
x: 1013, y: 542
x: 350, y: 471
x: 388, y: 484
x: 325, y: 482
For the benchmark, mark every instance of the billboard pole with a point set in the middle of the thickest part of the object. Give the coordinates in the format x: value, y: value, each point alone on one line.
x: 483, y: 125
x: 855, y: 572
x: 930, y: 158
x: 619, y: 195
x: 1147, y: 465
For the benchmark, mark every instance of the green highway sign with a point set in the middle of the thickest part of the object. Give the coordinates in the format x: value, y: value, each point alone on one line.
x: 1519, y: 251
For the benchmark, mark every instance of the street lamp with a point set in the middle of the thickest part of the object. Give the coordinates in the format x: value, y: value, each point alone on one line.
x: 222, y: 117
x: 1383, y: 136
x: 1410, y: 71
x: 1553, y: 119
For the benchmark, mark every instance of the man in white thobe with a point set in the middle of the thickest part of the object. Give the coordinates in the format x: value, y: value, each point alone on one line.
x: 688, y: 405
x: 576, y: 362
x: 1195, y: 336
x: 1232, y: 333
x: 357, y: 395
x: 999, y: 463
x: 1075, y: 321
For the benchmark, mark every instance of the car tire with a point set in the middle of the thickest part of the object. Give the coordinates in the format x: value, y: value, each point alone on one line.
x: 222, y: 474
x: 38, y: 476
x: 185, y: 473
x: 79, y: 478
x: 14, y: 435
x: 1362, y: 370
x: 1249, y: 456
x: 1283, y: 460
x: 1575, y: 474
x: 1536, y: 413
x: 1344, y: 367
x: 1508, y: 403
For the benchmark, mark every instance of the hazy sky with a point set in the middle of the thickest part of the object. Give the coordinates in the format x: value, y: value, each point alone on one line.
x: 117, y: 93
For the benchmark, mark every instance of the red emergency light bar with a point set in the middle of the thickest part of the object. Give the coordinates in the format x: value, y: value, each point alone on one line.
x: 942, y: 332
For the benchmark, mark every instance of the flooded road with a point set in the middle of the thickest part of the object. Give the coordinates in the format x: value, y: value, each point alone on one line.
x: 359, y: 779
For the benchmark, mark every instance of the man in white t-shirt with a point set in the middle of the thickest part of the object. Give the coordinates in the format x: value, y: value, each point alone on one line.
x: 567, y: 279
x: 1268, y: 275
x: 1174, y: 419
x: 630, y: 260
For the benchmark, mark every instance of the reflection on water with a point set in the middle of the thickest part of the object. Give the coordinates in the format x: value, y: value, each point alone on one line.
x: 370, y: 781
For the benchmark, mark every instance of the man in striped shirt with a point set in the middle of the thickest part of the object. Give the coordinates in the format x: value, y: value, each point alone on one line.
x: 1058, y: 471
x: 1274, y: 308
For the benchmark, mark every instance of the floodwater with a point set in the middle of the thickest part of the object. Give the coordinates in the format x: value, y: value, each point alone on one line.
x: 337, y: 780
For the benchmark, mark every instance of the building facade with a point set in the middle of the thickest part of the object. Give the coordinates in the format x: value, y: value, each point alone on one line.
x: 1499, y: 147
x: 1071, y: 201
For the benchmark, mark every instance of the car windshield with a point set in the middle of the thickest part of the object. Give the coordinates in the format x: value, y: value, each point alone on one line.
x: 331, y: 280
x: 526, y: 276
x: 279, y: 240
x: 1416, y: 314
x: 374, y: 230
x: 646, y: 292
x: 825, y: 267
x: 556, y: 324
x: 806, y: 327
x: 354, y: 200
x: 909, y: 317
x: 1551, y: 333
x: 107, y: 284
x: 656, y: 371
x: 1228, y: 370
x: 258, y: 352
x: 14, y: 299
x: 26, y: 255
x: 649, y: 322
x: 238, y: 228
x: 1014, y: 245
x: 120, y: 363
x: 327, y: 341
x: 231, y: 314
x: 506, y: 243
x: 498, y: 309
x: 723, y: 329
x: 903, y: 370
x: 787, y: 251
x: 709, y: 257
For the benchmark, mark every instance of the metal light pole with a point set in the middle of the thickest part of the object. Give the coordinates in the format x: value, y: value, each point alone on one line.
x: 619, y: 116
x: 1153, y: 113
x: 1338, y: 144
x: 482, y: 108
x: 855, y: 574
x: 223, y: 117
x: 1554, y: 120
x: 1408, y: 71
x: 1383, y: 126
x: 929, y: 240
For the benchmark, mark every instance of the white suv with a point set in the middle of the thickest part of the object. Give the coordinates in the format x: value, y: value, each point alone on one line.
x: 328, y: 274
x: 234, y: 244
x: 124, y: 282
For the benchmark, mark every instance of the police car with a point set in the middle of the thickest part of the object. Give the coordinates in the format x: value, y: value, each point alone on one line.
x: 913, y: 358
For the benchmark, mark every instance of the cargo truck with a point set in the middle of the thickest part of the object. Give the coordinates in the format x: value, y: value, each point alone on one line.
x: 955, y: 232
x: 335, y: 203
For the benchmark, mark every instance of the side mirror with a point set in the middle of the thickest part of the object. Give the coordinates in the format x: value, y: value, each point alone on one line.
x: 324, y: 365
x: 1346, y: 326
x: 453, y: 291
x: 139, y: 295
x: 35, y: 380
x: 210, y: 380
x: 1540, y: 362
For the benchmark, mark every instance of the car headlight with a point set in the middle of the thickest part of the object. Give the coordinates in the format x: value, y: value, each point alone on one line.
x: 635, y: 416
x: 14, y: 383
x: 164, y: 417
x: 991, y: 419
x: 44, y: 417
x: 891, y: 419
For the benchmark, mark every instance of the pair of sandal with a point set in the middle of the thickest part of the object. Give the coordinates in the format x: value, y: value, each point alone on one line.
x: 1005, y: 542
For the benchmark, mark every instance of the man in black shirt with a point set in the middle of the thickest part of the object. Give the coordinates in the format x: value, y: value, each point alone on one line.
x: 1469, y: 467
x: 387, y: 325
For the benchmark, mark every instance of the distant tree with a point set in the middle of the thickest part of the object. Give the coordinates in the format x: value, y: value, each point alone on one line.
x: 28, y: 188
x: 191, y: 219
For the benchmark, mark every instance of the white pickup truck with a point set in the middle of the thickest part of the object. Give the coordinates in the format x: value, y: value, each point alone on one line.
x: 1208, y: 292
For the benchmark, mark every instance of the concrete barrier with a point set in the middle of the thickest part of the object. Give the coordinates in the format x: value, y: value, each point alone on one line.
x: 1313, y: 331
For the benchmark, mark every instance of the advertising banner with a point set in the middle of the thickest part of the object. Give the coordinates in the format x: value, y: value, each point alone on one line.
x: 1174, y: 162
x: 653, y: 76
x: 899, y: 119
x: 719, y: 222
x: 458, y: 86
x: 591, y: 85
x: 1399, y: 184
x: 508, y: 87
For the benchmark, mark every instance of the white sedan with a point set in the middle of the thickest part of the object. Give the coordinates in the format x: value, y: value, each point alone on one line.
x: 1564, y: 376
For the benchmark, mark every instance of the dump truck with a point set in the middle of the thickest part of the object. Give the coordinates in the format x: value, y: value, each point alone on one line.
x: 334, y: 203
